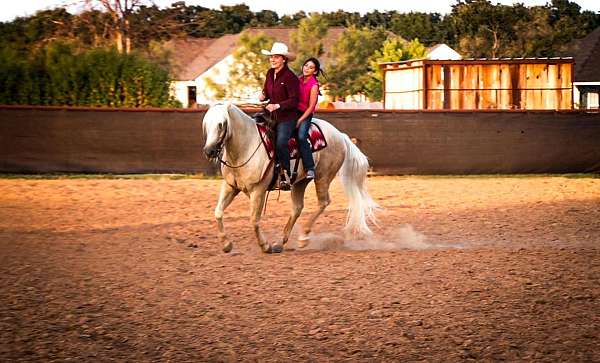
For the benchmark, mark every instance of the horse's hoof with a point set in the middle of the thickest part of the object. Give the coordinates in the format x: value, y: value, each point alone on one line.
x: 303, y: 241
x: 228, y: 247
x: 276, y: 248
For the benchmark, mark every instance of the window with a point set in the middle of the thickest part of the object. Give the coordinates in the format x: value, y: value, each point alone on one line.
x: 191, y: 96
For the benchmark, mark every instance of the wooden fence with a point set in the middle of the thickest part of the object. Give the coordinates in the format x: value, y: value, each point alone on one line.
x: 42, y: 140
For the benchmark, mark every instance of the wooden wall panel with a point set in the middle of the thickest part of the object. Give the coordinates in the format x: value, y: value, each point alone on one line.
x: 505, y: 94
x: 435, y: 83
x: 171, y: 141
x: 404, y: 89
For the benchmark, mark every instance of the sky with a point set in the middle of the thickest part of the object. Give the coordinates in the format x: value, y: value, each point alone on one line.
x: 13, y: 8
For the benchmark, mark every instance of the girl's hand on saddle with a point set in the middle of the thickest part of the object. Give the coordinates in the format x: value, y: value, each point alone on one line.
x: 298, y: 123
x: 272, y: 107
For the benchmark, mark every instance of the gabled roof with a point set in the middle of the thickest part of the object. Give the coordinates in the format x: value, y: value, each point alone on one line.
x: 194, y: 56
x: 586, y: 52
x: 442, y: 50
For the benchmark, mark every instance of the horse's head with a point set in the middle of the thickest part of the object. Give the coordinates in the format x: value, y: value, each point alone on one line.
x: 215, y: 125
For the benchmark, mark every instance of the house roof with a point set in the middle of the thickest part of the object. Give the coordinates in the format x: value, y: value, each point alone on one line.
x: 194, y: 56
x: 442, y: 49
x: 586, y: 52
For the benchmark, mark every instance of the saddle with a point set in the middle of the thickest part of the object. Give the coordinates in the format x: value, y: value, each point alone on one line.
x: 267, y: 131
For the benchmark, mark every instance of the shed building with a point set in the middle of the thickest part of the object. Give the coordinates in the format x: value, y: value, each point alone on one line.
x: 479, y: 84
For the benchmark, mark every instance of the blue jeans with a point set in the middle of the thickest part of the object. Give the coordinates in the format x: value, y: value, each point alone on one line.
x: 284, y: 132
x: 304, y: 145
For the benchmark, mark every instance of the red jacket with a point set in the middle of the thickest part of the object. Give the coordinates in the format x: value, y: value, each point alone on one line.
x: 284, y: 91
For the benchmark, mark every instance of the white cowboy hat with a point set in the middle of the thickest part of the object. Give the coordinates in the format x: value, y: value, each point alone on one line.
x: 279, y: 49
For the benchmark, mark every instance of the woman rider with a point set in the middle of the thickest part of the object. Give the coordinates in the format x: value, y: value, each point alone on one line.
x: 309, y: 92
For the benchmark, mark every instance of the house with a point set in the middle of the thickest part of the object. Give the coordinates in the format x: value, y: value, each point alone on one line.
x: 586, y: 51
x: 477, y: 84
x: 200, y: 63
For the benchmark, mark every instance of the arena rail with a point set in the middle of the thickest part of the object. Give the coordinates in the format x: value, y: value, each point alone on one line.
x: 41, y: 139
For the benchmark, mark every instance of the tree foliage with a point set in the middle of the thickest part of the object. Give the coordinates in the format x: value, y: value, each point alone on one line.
x: 247, y: 72
x: 307, y: 40
x: 394, y: 49
x: 38, y: 47
x: 350, y: 56
x: 478, y: 28
x: 59, y: 74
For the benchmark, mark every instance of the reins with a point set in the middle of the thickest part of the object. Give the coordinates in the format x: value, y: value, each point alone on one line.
x: 222, y: 147
x: 239, y: 166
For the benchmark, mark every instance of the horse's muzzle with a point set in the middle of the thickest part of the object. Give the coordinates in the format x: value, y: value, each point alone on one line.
x: 211, y: 152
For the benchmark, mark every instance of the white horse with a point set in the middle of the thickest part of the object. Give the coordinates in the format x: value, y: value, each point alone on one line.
x: 246, y: 167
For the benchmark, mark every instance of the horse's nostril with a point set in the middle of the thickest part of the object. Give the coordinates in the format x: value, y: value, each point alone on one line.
x: 211, y: 152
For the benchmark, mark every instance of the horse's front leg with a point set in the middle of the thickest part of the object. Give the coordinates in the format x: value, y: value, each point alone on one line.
x: 257, y: 201
x: 298, y: 190
x: 225, y: 198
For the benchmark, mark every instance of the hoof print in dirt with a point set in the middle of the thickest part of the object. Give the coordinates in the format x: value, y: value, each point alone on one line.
x: 192, y: 245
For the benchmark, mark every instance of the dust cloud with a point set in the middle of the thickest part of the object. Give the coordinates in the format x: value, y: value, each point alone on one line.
x: 403, y: 237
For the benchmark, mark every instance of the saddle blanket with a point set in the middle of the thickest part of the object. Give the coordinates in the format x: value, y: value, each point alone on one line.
x: 315, y: 136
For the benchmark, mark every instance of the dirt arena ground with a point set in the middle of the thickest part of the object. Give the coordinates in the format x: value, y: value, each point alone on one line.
x: 478, y: 268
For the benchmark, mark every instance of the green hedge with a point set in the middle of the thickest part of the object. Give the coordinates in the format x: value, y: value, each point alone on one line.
x: 59, y: 75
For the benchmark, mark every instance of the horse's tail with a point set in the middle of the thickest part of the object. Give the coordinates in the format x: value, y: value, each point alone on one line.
x: 361, y: 206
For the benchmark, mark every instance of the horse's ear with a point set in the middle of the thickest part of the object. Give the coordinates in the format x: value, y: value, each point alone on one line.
x: 228, y: 104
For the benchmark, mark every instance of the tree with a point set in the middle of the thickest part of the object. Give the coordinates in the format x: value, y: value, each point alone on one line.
x: 59, y: 73
x: 342, y: 18
x: 394, y: 49
x: 307, y: 41
x: 265, y: 18
x: 350, y: 58
x: 427, y: 27
x: 292, y: 20
x: 569, y: 23
x: 535, y: 35
x: 486, y: 30
x: 120, y: 12
x: 247, y: 72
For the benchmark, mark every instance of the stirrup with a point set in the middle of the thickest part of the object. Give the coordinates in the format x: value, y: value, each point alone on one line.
x: 284, y: 181
x: 284, y: 185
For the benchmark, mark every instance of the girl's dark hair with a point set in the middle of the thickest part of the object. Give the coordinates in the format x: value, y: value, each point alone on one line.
x: 318, y: 69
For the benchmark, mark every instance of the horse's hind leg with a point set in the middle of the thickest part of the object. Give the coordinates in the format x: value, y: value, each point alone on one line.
x: 298, y: 190
x: 225, y: 198
x: 322, y: 189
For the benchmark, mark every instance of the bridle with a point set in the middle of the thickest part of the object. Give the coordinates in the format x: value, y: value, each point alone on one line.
x: 220, y: 146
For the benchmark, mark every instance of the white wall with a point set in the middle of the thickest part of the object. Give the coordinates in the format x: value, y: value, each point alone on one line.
x: 179, y: 89
x: 219, y: 74
x: 403, y: 89
x: 593, y: 99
